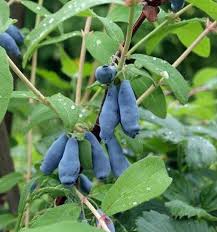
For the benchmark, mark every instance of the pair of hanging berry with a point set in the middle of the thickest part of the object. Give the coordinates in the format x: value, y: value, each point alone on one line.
x: 10, y: 39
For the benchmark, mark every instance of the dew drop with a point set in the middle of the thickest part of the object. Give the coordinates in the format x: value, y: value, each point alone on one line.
x: 51, y: 20
x: 98, y: 42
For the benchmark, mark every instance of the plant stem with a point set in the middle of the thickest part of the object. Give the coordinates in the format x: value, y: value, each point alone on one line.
x: 90, y: 82
x: 29, y: 85
x: 30, y: 133
x: 85, y: 201
x: 128, y: 37
x: 82, y: 60
x: 151, y: 89
x: 158, y: 28
x: 194, y: 44
x: 12, y: 2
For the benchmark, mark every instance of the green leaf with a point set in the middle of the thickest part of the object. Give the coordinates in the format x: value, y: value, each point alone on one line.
x: 4, y: 15
x: 66, y: 110
x: 9, y: 181
x: 60, y: 38
x: 155, y: 222
x: 169, y: 122
x: 193, y: 30
x: 23, y: 95
x: 98, y: 192
x: 204, y: 75
x: 64, y: 212
x: 101, y: 46
x: 181, y: 209
x: 208, y: 6
x: 199, y: 152
x: 36, y: 8
x: 120, y: 13
x: 6, y: 83
x: 53, y: 78
x: 85, y: 154
x: 155, y: 102
x: 52, y: 21
x: 112, y: 29
x: 6, y: 220
x: 172, y: 77
x: 191, y: 27
x: 40, y: 114
x: 142, y: 181
x: 67, y: 226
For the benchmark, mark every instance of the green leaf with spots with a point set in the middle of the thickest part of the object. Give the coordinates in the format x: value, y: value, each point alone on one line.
x: 101, y: 46
x: 52, y: 21
x: 141, y: 182
x: 172, y: 77
x: 65, y: 108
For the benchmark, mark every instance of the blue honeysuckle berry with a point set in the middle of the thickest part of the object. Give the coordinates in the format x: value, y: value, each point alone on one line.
x: 177, y: 5
x: 109, y: 116
x: 15, y: 33
x: 54, y: 155
x: 105, y: 74
x: 118, y: 161
x: 107, y: 220
x: 101, y: 164
x: 69, y: 166
x: 85, y: 184
x: 128, y: 109
x: 9, y: 44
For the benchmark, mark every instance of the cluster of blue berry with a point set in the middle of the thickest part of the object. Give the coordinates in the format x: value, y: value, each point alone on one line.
x: 10, y: 39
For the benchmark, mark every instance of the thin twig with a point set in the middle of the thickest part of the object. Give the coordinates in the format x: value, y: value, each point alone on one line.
x: 158, y: 28
x: 128, y: 37
x: 152, y: 88
x: 30, y: 134
x: 29, y: 85
x: 11, y: 2
x: 85, y: 201
x: 90, y: 82
x: 82, y: 60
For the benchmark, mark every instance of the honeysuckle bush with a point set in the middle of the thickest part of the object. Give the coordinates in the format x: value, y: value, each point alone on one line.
x: 171, y: 182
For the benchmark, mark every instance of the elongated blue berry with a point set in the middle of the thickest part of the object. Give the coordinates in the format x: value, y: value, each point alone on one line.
x: 105, y: 74
x: 109, y: 117
x: 85, y: 184
x: 101, y: 164
x: 107, y: 220
x: 54, y: 155
x: 15, y: 33
x: 9, y: 44
x: 128, y: 109
x: 118, y: 161
x: 177, y: 5
x: 69, y: 166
